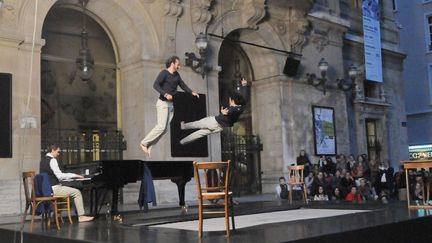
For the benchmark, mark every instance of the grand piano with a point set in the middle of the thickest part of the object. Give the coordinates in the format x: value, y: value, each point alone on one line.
x: 114, y: 174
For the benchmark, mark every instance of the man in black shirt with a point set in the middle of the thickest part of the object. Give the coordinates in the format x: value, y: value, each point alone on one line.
x: 227, y: 117
x: 166, y: 84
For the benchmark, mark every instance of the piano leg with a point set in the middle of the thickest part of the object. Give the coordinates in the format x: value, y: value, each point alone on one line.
x: 114, y: 203
x: 181, y: 183
x: 92, y: 201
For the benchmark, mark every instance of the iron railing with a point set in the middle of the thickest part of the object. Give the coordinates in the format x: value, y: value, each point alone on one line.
x: 84, y: 145
x: 244, y: 153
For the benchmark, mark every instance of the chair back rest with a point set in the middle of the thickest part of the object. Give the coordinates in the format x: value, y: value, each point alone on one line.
x: 42, y: 185
x: 212, y: 176
x: 296, y: 173
x: 28, y: 182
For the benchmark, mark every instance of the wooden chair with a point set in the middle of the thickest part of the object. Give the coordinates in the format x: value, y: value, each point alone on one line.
x: 33, y: 201
x: 63, y: 204
x: 214, y: 187
x: 296, y: 178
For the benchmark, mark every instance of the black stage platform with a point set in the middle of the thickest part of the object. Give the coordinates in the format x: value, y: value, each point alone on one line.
x: 391, y: 222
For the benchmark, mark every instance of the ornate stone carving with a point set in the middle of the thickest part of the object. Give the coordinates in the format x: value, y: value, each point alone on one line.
x: 201, y: 11
x: 8, y: 15
x: 173, y: 8
x: 280, y: 27
x: 320, y: 41
x: 298, y: 27
x: 320, y: 34
x: 173, y: 11
x: 253, y: 11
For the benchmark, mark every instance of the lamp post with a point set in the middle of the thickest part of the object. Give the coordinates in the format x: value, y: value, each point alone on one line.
x: 198, y: 64
x: 346, y: 85
x: 321, y: 82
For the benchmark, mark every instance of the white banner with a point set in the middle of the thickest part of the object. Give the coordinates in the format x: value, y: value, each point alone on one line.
x: 372, y: 40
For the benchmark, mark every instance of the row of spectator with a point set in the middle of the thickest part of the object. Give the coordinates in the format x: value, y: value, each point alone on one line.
x: 354, y: 179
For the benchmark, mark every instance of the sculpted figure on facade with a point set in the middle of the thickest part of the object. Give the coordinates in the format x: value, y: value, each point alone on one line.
x: 253, y: 11
x: 8, y: 15
x: 201, y: 14
x: 172, y: 10
x: 298, y: 27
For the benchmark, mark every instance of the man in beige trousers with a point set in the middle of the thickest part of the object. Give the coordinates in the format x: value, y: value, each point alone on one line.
x: 166, y: 85
x: 49, y: 165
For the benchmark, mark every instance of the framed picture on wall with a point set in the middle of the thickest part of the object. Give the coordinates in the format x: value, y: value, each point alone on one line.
x: 324, y: 130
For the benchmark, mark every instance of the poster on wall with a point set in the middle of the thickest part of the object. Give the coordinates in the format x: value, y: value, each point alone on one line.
x: 372, y: 40
x: 324, y: 130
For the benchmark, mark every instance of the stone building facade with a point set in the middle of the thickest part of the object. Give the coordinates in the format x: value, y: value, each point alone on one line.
x: 143, y: 33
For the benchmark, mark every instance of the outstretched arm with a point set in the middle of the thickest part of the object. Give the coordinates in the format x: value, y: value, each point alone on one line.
x: 243, y: 90
x: 184, y: 87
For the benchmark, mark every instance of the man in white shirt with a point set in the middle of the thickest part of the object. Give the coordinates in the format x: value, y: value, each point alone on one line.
x: 50, y: 166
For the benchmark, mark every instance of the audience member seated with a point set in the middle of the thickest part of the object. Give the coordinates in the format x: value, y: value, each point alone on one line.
x: 346, y: 183
x: 353, y: 196
x: 328, y: 178
x: 330, y: 166
x: 336, y: 179
x: 374, y: 169
x: 320, y: 181
x: 366, y: 191
x: 282, y: 188
x: 321, y: 163
x: 385, y: 180
x: 321, y: 195
x: 337, y: 196
x: 303, y: 159
x: 366, y: 166
x: 341, y: 162
x: 417, y: 193
x: 309, y: 183
x: 350, y: 163
x: 400, y: 184
x: 359, y: 170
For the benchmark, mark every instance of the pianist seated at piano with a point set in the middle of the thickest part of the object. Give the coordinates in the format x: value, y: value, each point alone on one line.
x: 49, y: 165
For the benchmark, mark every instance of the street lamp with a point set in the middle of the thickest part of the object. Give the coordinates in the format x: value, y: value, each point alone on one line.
x: 321, y: 82
x: 347, y: 85
x: 198, y: 64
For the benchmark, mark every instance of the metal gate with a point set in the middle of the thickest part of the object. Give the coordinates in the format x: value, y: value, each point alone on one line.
x: 244, y: 153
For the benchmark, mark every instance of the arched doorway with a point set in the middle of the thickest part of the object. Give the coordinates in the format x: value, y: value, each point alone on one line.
x: 238, y: 142
x: 79, y: 114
